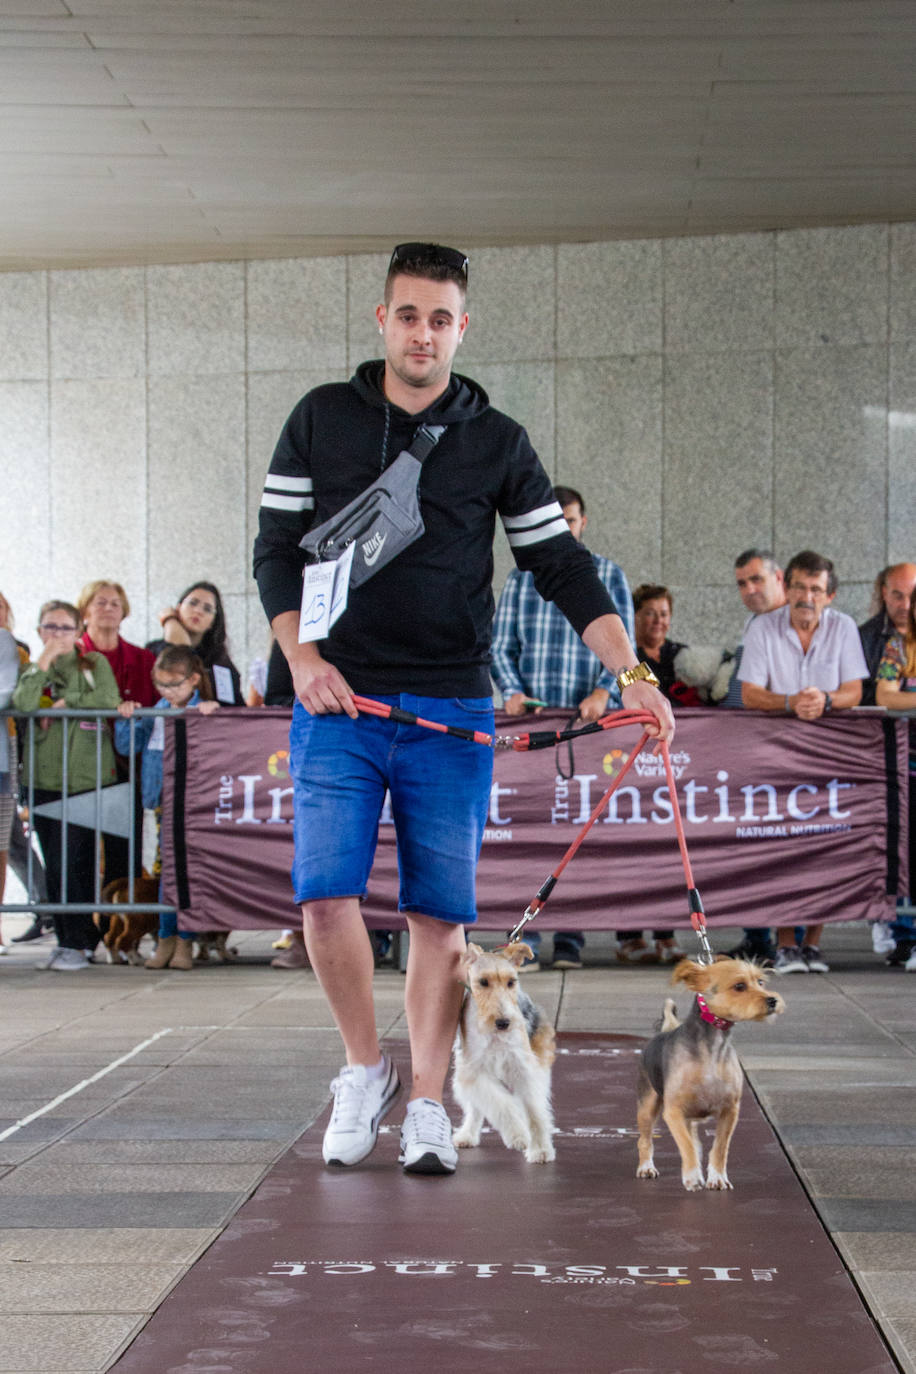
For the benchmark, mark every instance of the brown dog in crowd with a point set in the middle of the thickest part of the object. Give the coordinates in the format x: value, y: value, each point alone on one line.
x: 127, y: 928
x: 690, y: 1071
x: 214, y: 944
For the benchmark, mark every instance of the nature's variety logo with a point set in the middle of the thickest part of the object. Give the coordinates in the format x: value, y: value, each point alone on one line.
x: 613, y: 762
x: 278, y: 764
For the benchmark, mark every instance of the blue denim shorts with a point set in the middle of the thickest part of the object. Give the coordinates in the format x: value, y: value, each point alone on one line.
x: 440, y: 793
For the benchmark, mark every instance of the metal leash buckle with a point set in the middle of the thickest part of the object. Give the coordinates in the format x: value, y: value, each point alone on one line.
x: 706, y: 952
x: 517, y: 930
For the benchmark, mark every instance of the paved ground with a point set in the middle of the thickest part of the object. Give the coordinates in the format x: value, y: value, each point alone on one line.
x: 160, y: 1100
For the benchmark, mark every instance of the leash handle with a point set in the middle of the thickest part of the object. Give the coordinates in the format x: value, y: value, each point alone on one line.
x: 545, y: 739
x: 370, y: 707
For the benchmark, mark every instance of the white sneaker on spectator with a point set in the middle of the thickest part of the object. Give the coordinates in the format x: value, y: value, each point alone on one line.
x: 910, y: 965
x: 68, y: 961
x: 882, y: 941
x: 360, y: 1102
x: 814, y: 959
x: 426, y: 1139
x: 789, y: 959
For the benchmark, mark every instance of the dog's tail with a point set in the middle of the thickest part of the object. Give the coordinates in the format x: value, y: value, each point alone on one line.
x: 669, y: 1020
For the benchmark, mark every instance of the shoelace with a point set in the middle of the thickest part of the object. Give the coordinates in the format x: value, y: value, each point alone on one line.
x: 428, y: 1125
x: 348, y: 1101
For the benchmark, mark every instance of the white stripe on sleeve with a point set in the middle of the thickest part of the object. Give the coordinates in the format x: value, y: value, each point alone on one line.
x: 534, y: 526
x: 271, y: 501
x: 274, y: 482
x: 513, y: 523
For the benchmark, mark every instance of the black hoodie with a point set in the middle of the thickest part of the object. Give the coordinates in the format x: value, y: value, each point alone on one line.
x: 422, y: 623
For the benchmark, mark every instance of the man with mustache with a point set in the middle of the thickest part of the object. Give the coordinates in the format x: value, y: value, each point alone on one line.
x: 805, y: 658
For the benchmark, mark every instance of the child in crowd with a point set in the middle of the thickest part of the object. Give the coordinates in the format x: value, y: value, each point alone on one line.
x: 181, y: 679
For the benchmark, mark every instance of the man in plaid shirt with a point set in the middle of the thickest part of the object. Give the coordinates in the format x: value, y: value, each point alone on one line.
x: 538, y: 657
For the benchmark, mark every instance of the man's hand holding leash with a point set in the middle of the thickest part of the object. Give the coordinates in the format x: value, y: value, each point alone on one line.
x: 317, y: 684
x: 607, y: 638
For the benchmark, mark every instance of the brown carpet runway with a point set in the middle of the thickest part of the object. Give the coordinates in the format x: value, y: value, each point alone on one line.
x: 573, y: 1266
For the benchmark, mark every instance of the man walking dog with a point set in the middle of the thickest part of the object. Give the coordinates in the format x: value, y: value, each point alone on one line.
x: 415, y: 633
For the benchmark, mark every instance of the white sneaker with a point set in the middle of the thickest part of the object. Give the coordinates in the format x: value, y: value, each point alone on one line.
x: 814, y: 959
x: 910, y: 965
x: 360, y: 1102
x: 789, y: 960
x: 882, y: 941
x: 426, y: 1140
x: 68, y: 961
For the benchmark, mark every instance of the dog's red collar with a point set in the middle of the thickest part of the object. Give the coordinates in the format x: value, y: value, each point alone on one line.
x: 718, y: 1021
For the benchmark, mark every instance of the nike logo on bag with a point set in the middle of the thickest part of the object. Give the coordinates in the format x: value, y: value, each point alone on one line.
x: 373, y: 547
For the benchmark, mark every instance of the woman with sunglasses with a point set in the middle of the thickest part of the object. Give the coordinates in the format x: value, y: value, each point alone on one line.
x: 198, y: 620
x: 65, y: 676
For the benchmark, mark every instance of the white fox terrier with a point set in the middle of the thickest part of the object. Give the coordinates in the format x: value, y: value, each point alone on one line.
x: 503, y: 1055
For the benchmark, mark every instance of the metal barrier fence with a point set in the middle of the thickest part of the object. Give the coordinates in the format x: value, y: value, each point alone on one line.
x: 98, y: 809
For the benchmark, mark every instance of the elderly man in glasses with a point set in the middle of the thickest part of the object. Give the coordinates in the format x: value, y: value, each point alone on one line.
x: 415, y: 634
x: 806, y: 658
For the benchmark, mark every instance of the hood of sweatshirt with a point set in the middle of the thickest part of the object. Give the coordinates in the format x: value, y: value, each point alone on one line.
x: 463, y: 399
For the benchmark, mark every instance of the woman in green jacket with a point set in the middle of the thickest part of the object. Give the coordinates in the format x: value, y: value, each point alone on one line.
x: 64, y: 676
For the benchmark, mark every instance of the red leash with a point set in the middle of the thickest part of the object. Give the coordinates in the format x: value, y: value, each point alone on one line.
x: 543, y: 739
x: 694, y: 900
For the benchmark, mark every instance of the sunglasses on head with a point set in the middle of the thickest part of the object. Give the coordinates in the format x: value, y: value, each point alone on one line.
x: 436, y: 254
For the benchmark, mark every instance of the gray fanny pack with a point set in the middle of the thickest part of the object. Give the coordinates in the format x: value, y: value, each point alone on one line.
x: 383, y: 520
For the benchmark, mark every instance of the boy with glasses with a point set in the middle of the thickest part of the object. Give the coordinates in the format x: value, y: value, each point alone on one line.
x: 416, y: 634
x: 804, y: 658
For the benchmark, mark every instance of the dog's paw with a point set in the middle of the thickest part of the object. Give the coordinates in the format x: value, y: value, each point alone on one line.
x: 465, y: 1140
x: 716, y: 1181
x: 540, y: 1156
x: 693, y: 1182
x: 647, y: 1171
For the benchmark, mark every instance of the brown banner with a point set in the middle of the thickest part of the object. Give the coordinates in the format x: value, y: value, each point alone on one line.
x: 785, y: 821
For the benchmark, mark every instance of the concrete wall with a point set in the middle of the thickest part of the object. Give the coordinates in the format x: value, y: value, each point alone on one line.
x: 705, y: 394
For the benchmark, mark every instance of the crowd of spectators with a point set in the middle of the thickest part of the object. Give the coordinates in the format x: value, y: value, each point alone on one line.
x: 797, y: 655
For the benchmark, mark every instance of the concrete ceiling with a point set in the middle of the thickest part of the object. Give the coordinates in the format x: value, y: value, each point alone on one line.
x: 153, y: 131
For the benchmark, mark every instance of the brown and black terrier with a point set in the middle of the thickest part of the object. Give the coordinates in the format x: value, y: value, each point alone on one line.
x: 690, y: 1071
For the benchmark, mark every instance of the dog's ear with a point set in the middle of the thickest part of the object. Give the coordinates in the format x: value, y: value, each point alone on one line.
x: 694, y: 975
x: 518, y: 952
x: 471, y: 955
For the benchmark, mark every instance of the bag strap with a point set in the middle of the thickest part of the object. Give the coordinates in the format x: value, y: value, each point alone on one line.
x: 425, y: 440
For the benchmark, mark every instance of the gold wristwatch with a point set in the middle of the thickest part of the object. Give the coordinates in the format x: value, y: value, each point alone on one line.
x: 641, y: 673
